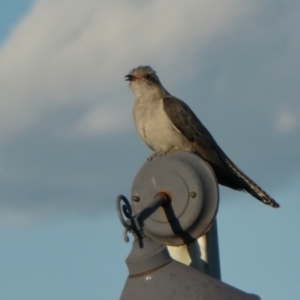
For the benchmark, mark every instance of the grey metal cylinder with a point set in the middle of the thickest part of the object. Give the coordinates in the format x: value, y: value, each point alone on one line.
x: 194, y: 194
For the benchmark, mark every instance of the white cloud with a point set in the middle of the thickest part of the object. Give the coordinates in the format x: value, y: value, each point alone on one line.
x: 287, y: 121
x: 70, y: 52
x: 21, y: 218
x: 103, y: 119
x: 61, y: 73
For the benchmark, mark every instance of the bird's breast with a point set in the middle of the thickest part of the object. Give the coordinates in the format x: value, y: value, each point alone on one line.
x: 155, y: 128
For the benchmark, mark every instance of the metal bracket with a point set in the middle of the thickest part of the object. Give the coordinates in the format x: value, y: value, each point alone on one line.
x: 134, y: 224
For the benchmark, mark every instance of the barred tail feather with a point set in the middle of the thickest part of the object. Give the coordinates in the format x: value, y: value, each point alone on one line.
x: 251, y: 187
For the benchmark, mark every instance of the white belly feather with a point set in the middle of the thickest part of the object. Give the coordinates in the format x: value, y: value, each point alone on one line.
x: 155, y: 127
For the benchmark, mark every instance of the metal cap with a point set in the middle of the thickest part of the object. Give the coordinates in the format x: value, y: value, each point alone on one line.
x: 147, y: 258
x: 193, y: 189
x: 177, y: 281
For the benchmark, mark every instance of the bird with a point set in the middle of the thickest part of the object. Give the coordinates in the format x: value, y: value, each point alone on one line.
x: 166, y: 123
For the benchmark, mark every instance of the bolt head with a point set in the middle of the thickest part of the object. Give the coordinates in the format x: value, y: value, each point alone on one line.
x: 193, y: 194
x: 136, y: 198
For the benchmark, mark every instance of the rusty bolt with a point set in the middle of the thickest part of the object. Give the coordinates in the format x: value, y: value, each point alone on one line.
x: 165, y: 195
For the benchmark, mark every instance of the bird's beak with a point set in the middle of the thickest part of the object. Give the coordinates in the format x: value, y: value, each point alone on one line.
x: 129, y: 78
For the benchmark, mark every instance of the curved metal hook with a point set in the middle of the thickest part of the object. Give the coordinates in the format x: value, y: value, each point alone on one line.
x: 124, y: 209
x: 134, y: 224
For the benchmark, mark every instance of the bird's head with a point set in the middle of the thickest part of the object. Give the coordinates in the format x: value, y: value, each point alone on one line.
x: 144, y: 80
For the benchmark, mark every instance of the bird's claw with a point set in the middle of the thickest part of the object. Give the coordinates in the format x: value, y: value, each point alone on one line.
x: 172, y: 149
x: 156, y: 154
x: 162, y: 153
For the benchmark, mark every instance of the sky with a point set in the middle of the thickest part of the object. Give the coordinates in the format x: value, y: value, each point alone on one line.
x: 68, y: 145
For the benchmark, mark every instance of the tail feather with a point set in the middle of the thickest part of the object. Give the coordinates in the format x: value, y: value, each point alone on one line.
x: 251, y: 187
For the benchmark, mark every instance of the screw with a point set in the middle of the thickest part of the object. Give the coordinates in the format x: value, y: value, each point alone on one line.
x: 136, y: 198
x: 193, y: 194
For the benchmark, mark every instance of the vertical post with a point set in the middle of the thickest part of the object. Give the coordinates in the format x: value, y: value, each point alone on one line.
x: 202, y: 254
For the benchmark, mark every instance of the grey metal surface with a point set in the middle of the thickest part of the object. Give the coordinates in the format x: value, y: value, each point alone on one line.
x: 174, y: 201
x: 194, y: 192
x: 153, y: 274
x: 146, y: 257
x: 176, y: 281
x: 202, y: 254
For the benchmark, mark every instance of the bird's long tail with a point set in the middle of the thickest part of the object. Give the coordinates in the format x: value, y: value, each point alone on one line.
x: 251, y: 187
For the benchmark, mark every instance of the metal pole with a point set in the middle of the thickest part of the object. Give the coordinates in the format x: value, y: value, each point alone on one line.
x: 202, y: 254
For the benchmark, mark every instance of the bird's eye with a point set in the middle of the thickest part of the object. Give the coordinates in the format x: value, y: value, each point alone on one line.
x: 147, y: 76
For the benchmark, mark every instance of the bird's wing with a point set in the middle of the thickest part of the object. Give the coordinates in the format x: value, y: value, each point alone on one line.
x: 228, y: 174
x: 186, y: 122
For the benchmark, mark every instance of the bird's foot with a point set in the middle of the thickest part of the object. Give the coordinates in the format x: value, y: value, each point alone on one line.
x: 155, y: 154
x: 162, y: 153
x: 172, y: 149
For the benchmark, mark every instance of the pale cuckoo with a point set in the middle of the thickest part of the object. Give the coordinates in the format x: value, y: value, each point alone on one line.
x: 166, y: 123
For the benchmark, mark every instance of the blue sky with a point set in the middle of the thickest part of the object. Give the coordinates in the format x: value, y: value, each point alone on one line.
x: 68, y: 146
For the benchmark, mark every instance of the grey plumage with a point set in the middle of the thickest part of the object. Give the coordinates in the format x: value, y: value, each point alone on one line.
x: 166, y: 123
